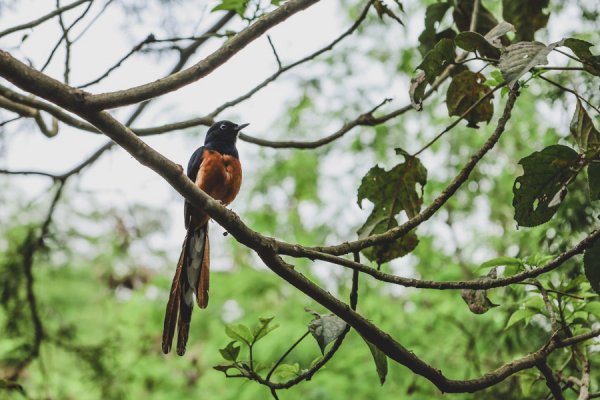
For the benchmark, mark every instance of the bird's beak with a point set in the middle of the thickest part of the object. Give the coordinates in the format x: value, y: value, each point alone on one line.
x: 240, y: 127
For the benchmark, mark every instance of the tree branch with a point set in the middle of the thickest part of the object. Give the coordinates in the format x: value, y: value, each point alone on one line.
x: 551, y: 381
x: 476, y: 284
x: 200, y: 69
x: 45, y: 18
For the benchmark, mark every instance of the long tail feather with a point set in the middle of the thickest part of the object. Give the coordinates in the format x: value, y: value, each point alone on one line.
x: 203, y: 279
x: 193, y: 275
x: 172, y: 307
x: 185, y: 317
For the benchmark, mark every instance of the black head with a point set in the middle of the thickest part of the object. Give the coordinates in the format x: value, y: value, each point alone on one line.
x: 222, y: 136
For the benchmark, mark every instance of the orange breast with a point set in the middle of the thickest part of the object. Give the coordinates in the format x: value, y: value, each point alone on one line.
x: 220, y: 176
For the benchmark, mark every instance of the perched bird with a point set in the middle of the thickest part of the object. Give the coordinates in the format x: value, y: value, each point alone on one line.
x: 215, y: 168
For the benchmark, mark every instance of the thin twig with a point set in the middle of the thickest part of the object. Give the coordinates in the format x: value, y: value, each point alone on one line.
x: 149, y: 39
x: 92, y: 21
x: 566, y: 89
x: 65, y: 33
x: 274, y: 51
x: 549, y: 307
x: 45, y: 18
x: 31, y: 246
x: 460, y: 118
x: 292, y: 347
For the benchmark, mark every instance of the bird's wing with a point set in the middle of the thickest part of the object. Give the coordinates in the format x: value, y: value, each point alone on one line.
x: 192, y: 173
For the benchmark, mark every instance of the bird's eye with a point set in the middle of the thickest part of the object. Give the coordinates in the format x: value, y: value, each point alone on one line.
x: 222, y: 127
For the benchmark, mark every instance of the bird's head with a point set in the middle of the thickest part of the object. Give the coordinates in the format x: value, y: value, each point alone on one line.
x: 224, y: 132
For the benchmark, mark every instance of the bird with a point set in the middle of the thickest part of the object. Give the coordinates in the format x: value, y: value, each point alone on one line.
x: 215, y: 168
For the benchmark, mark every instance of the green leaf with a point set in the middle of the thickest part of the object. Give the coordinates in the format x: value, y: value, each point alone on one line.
x: 239, y: 6
x: 287, y: 371
x: 400, y: 188
x: 594, y: 179
x: 536, y: 303
x: 325, y: 328
x: 473, y: 41
x: 437, y: 59
x: 526, y: 16
x: 501, y: 261
x: 522, y: 314
x: 591, y: 265
x: 593, y: 307
x: 239, y: 332
x: 380, y: 359
x: 581, y: 48
x: 465, y: 90
x: 520, y: 58
x: 230, y: 352
x: 541, y: 189
x: 585, y: 133
x: 262, y: 329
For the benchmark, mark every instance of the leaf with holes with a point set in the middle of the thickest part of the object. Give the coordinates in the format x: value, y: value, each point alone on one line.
x: 465, y: 90
x: 380, y: 359
x: 591, y: 265
x: 585, y: 133
x: 393, y: 191
x: 526, y: 16
x: 520, y: 58
x: 581, y: 48
x: 473, y: 41
x: 433, y: 15
x: 437, y: 59
x: 325, y: 328
x: 541, y: 189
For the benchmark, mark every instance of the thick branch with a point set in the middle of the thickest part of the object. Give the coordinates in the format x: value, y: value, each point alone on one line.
x: 551, y: 381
